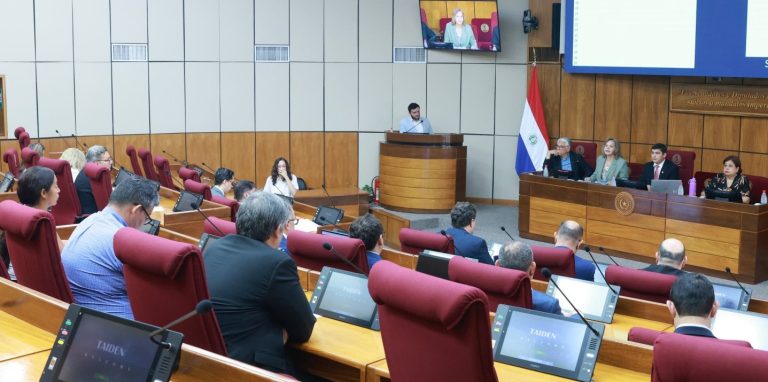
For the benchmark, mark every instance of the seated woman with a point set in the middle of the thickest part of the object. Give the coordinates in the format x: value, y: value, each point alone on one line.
x: 458, y: 33
x: 610, y: 165
x: 76, y: 160
x: 282, y: 182
x: 730, y: 179
x: 37, y: 188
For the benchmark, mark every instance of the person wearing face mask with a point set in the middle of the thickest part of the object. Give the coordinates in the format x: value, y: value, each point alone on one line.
x: 610, y: 165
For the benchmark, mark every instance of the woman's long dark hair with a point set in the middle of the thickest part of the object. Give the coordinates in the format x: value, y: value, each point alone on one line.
x: 287, y: 169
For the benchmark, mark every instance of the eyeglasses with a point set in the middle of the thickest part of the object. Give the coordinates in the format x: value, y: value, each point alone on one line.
x: 149, y: 218
x: 561, y: 146
x: 293, y: 220
x: 108, y: 160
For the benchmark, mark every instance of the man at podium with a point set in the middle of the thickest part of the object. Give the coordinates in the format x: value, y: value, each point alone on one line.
x: 414, y: 123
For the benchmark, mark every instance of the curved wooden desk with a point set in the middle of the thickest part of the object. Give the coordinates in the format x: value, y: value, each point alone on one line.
x: 422, y: 173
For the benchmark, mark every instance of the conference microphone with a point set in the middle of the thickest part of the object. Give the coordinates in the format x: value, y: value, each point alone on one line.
x: 214, y: 171
x: 413, y: 127
x: 455, y: 247
x: 508, y: 235
x: 728, y: 269
x: 546, y: 273
x: 197, y: 208
x: 323, y: 219
x: 63, y: 137
x: 586, y: 248
x: 183, y: 162
x: 328, y: 195
x: 606, y: 253
x: 204, y: 306
x: 328, y: 247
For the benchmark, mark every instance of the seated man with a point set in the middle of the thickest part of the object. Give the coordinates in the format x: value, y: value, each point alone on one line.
x: 670, y: 258
x: 94, y: 272
x: 570, y: 235
x: 464, y: 220
x: 563, y: 162
x: 518, y: 255
x: 369, y: 229
x: 255, y: 288
x: 692, y: 305
x: 99, y: 155
x: 658, y: 167
x: 222, y: 181
x: 243, y: 188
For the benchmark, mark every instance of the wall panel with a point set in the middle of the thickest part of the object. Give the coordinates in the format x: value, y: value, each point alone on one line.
x: 165, y: 20
x: 340, y: 40
x: 237, y: 97
x: 272, y: 97
x: 650, y: 105
x: 93, y: 98
x: 271, y: 27
x: 202, y: 97
x: 613, y: 107
x: 129, y: 21
x: 55, y: 98
x: 754, y: 135
x: 90, y: 22
x: 21, y: 94
x: 166, y: 97
x: 204, y: 148
x: 307, y: 157
x: 685, y: 129
x: 236, y: 39
x: 375, y: 17
x: 506, y: 183
x: 341, y: 150
x: 172, y: 144
x: 120, y: 142
x: 17, y: 31
x: 375, y: 98
x: 270, y: 146
x: 341, y: 84
x: 510, y: 99
x: 577, y: 106
x: 306, y: 96
x: 53, y: 30
x: 444, y: 97
x: 306, y: 23
x: 238, y: 153
x: 722, y: 132
x: 130, y: 97
x: 201, y: 30
x: 477, y: 98
x: 408, y: 85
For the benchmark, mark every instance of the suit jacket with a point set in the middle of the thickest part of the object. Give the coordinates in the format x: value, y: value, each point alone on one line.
x: 85, y: 194
x: 618, y: 169
x: 669, y: 171
x: 469, y: 245
x: 580, y: 169
x: 256, y: 294
x: 694, y: 331
x: 665, y: 269
x: 545, y: 303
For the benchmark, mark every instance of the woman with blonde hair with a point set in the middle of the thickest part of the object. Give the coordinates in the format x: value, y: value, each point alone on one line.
x: 76, y: 160
x: 459, y: 33
x: 610, y: 164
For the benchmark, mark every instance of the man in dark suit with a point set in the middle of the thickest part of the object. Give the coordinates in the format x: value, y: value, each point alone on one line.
x: 464, y: 220
x: 692, y: 305
x: 95, y: 154
x: 658, y: 167
x: 562, y: 162
x: 518, y: 255
x: 670, y: 258
x: 570, y: 235
x: 255, y: 288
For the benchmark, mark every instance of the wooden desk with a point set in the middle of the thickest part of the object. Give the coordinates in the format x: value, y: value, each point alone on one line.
x: 19, y: 338
x: 352, y: 200
x: 188, y: 223
x: 392, y: 224
x: 9, y: 196
x: 633, y: 223
x: 306, y: 211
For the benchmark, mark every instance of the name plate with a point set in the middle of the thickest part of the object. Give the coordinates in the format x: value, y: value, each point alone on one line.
x: 719, y: 99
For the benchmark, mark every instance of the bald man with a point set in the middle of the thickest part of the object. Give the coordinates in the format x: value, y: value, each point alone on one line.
x: 670, y: 258
x: 570, y: 235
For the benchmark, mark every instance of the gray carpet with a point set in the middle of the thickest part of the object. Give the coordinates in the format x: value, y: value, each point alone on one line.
x: 491, y: 217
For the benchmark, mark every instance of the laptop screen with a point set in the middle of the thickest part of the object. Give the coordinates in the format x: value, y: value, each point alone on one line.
x: 205, y: 241
x: 344, y: 296
x: 731, y: 324
x: 186, y: 200
x: 328, y: 215
x: 334, y: 233
x: 594, y: 301
x: 6, y: 182
x: 731, y: 297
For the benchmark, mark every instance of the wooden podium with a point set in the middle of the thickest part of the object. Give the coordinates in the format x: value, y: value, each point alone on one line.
x: 424, y: 173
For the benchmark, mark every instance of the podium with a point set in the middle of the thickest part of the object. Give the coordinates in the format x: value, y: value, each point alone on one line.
x: 422, y: 173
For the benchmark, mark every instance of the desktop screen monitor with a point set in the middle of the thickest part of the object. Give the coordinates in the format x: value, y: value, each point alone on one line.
x: 480, y: 29
x: 730, y: 324
x: 122, y: 175
x: 344, y: 296
x: 723, y: 196
x: 545, y: 342
x: 95, y: 346
x: 626, y: 183
x: 206, y: 240
x: 7, y: 182
x: 731, y: 297
x: 433, y: 263
x: 595, y: 301
x: 325, y: 215
x: 187, y: 200
x: 151, y: 227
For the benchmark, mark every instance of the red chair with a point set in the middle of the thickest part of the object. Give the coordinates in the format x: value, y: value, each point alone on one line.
x: 685, y: 160
x: 232, y: 204
x: 307, y: 251
x: 131, y: 152
x: 186, y: 173
x: 31, y: 238
x: 18, y: 131
x: 149, y: 168
x: 164, y: 172
x: 67, y: 209
x: 494, y: 26
x: 757, y: 184
x: 24, y: 140
x: 681, y: 358
x: 432, y: 329
x: 560, y: 261
x: 501, y: 285
x: 198, y: 188
x: 11, y: 158
x: 483, y: 32
x: 211, y: 224
x: 635, y: 170
x: 101, y: 183
x: 443, y: 22
x: 29, y: 157
x: 165, y: 279
x: 423, y: 16
x: 649, y: 336
x: 414, y: 241
x: 4, y: 270
x: 586, y: 149
x: 702, y: 177
x: 640, y: 284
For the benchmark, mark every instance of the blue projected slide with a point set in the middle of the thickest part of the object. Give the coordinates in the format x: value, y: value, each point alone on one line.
x: 710, y: 38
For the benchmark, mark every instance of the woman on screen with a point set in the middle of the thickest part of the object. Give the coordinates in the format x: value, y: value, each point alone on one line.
x: 610, y: 165
x: 282, y: 182
x: 731, y: 179
x: 458, y: 33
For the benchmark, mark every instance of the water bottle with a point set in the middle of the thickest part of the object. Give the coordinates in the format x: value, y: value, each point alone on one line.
x: 546, y: 172
x: 763, y: 198
x: 680, y: 190
x: 692, y: 187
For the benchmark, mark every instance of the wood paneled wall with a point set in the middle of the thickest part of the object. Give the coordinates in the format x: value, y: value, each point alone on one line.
x: 635, y: 110
x: 315, y: 156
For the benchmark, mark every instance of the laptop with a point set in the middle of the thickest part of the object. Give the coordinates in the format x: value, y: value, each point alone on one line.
x: 626, y: 183
x: 343, y: 295
x: 545, y: 342
x: 666, y: 186
x: 732, y: 297
x: 731, y: 324
x: 595, y: 301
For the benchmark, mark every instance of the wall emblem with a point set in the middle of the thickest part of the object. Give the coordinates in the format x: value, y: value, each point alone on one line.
x: 579, y: 149
x: 484, y: 27
x: 676, y: 159
x: 624, y: 203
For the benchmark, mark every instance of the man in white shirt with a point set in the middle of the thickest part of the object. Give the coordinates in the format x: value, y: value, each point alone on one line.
x: 414, y: 123
x: 223, y: 181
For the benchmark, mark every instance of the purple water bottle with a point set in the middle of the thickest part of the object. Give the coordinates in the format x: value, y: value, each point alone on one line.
x: 692, y: 187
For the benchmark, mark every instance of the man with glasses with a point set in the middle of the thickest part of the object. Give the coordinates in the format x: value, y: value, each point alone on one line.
x: 95, y: 275
x: 99, y: 155
x: 563, y: 163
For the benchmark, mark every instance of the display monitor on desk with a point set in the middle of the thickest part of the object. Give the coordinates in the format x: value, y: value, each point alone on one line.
x: 723, y: 196
x: 206, y: 240
x: 335, y: 232
x: 595, y: 301
x: 187, y: 200
x: 151, y: 227
x: 123, y: 175
x: 666, y: 186
x: 545, y: 342
x: 325, y: 215
x: 730, y: 324
x: 435, y: 263
x: 344, y: 296
x: 7, y: 182
x: 732, y: 297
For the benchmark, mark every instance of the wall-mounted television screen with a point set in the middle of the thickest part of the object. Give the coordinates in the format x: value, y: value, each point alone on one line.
x: 460, y: 25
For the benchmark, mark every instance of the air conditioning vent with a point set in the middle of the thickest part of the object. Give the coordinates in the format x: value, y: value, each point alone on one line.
x: 129, y: 52
x: 271, y: 53
x: 409, y: 55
